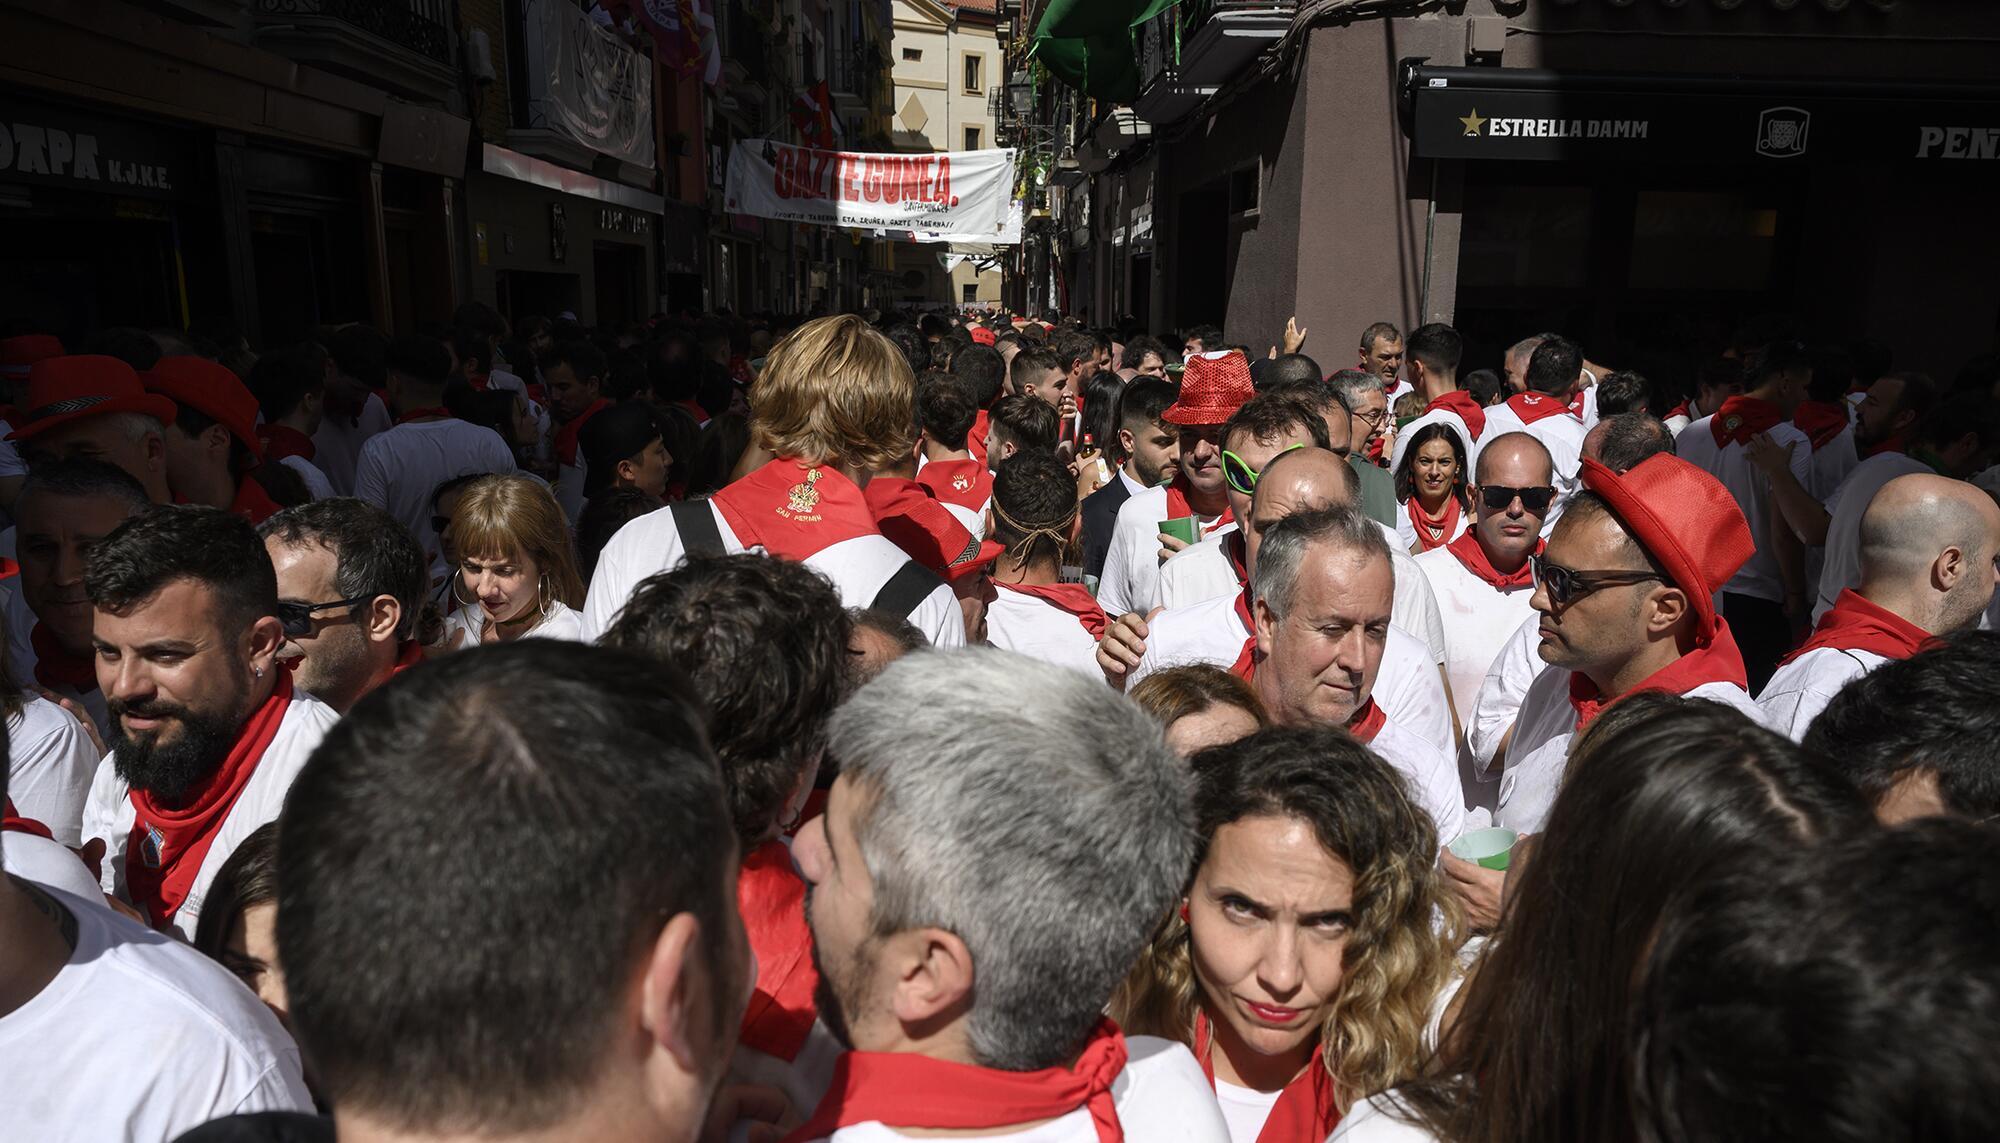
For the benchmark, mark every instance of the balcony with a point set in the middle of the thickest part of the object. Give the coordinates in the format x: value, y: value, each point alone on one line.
x: 583, y: 98
x: 404, y: 46
x: 1186, y: 55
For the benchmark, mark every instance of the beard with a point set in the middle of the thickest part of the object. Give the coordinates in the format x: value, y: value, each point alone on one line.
x: 168, y: 770
x: 834, y: 992
x: 1149, y: 474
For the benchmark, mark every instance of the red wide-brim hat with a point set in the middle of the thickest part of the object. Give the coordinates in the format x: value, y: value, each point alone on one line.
x: 1684, y: 518
x: 65, y: 390
x: 211, y: 389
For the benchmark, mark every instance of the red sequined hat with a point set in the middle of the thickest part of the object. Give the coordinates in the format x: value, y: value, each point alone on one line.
x: 1213, y: 387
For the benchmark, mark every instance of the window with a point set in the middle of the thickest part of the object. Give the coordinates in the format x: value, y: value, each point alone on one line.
x: 973, y: 67
x: 972, y: 138
x: 912, y: 55
x: 968, y: 293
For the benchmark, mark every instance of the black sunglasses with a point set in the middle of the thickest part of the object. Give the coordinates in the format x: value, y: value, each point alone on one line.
x: 1565, y: 586
x: 297, y: 617
x: 1498, y: 496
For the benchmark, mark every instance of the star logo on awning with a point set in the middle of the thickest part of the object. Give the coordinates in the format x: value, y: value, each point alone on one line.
x: 1472, y: 122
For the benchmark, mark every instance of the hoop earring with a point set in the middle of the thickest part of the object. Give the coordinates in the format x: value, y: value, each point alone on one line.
x: 543, y: 596
x: 456, y: 581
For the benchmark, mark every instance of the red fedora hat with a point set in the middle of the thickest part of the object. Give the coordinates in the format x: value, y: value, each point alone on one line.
x: 64, y: 390
x: 211, y: 389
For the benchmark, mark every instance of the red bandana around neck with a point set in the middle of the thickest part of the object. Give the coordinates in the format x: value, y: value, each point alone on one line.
x: 1367, y: 721
x: 1575, y: 405
x: 903, y: 1089
x: 966, y: 483
x: 281, y: 441
x: 1245, y: 667
x: 1898, y: 442
x: 1680, y: 410
x: 1178, y: 507
x: 1305, y: 1109
x: 1473, y: 557
x: 1820, y: 420
x: 252, y: 502
x: 1434, y: 531
x: 1716, y: 662
x: 1532, y: 407
x: 1855, y: 623
x: 1466, y: 406
x: 772, y: 899
x: 975, y: 437
x: 56, y: 668
x: 1232, y: 550
x: 438, y: 411
x: 1071, y: 597
x: 167, y: 846
x: 1741, y: 418
x: 566, y: 435
x: 12, y: 819
x: 795, y: 510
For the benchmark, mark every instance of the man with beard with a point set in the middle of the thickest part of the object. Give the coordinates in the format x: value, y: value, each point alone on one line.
x: 1007, y: 822
x: 1152, y: 451
x: 207, y: 731
x: 351, y: 581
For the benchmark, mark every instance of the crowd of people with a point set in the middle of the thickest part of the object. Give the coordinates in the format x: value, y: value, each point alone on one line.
x: 871, y: 727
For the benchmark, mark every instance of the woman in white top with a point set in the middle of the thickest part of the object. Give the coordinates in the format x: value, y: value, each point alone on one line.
x: 1433, y: 506
x: 516, y: 573
x: 1314, y: 938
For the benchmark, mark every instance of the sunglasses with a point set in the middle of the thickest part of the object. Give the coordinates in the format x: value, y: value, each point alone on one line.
x: 1565, y: 586
x: 297, y: 617
x: 1499, y: 496
x: 1238, y: 474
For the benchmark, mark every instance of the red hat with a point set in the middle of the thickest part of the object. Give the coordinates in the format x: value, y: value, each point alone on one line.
x: 974, y: 560
x: 1684, y: 518
x: 982, y: 336
x: 62, y: 390
x: 212, y: 390
x: 1214, y: 386
x: 18, y: 354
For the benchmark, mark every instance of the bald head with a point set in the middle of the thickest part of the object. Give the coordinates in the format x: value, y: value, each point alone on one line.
x: 1515, y: 460
x: 1297, y: 480
x: 1927, y: 549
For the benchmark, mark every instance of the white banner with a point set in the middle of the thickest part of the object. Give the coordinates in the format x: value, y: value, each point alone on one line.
x: 585, y: 83
x: 960, y: 196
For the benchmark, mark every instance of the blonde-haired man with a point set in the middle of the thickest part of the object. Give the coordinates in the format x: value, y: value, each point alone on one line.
x: 836, y: 400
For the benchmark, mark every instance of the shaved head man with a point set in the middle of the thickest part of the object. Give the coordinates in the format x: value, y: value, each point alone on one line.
x: 1297, y: 480
x: 1927, y: 549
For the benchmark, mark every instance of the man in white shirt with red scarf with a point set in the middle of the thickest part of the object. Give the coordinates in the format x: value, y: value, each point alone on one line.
x: 207, y: 731
x: 1029, y: 609
x: 835, y: 403
x: 1549, y: 410
x: 1928, y: 545
x: 1005, y: 822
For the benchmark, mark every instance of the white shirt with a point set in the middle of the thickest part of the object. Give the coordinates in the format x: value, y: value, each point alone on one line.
x: 1850, y: 502
x: 1759, y: 576
x: 50, y: 763
x: 1032, y: 626
x: 1479, y: 619
x: 1831, y: 462
x: 337, y: 444
x: 400, y: 470
x: 562, y: 622
x: 139, y: 1037
x: 1515, y: 668
x: 1540, y: 751
x: 22, y: 658
x: 36, y: 858
x: 1801, y: 688
x: 110, y: 814
x: 1244, y: 1109
x: 1162, y: 1097
x: 1371, y: 1121
x: 803, y: 1078
x: 316, y: 481
x: 1131, y: 579
x: 1432, y: 775
x: 858, y: 568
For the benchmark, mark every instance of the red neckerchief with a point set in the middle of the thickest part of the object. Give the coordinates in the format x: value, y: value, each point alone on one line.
x: 1305, y: 1109
x: 1575, y: 405
x: 1532, y: 407
x: 1897, y: 443
x: 1680, y: 410
x: 912, y: 519
x: 1232, y: 550
x: 1071, y: 597
x: 1821, y: 421
x: 1178, y: 506
x: 1367, y: 721
x: 8, y: 568
x: 903, y: 1089
x: 566, y: 435
x: 167, y: 846
x: 1445, y: 522
x: 1245, y: 667
x: 1473, y: 557
x: 56, y: 668
x: 795, y: 510
x: 252, y: 502
x: 975, y: 437
x: 1717, y: 662
x: 1374, y: 451
x: 1741, y: 418
x: 478, y: 381
x: 772, y: 900
x: 966, y: 483
x: 1467, y: 408
x: 281, y: 441
x: 1854, y: 623
x: 438, y: 411
x: 12, y: 819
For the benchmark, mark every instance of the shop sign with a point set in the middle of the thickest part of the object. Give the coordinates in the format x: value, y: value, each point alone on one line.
x: 617, y: 220
x: 80, y: 150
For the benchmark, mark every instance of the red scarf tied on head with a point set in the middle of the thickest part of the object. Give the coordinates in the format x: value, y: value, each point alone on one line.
x: 1473, y: 557
x: 1716, y: 661
x: 1854, y: 623
x: 56, y: 668
x: 773, y: 902
x: 1071, y: 597
x: 1741, y: 418
x: 168, y: 845
x: 903, y: 1089
x: 1305, y: 1109
x: 1820, y: 421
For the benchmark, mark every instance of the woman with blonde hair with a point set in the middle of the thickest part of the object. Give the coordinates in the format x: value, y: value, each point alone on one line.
x: 516, y: 573
x: 1305, y: 964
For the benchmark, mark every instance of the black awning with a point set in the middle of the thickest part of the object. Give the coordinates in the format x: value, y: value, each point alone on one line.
x: 1516, y: 113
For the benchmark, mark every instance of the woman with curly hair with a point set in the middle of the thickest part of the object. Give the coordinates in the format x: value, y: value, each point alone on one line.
x: 1433, y: 506
x: 1314, y: 940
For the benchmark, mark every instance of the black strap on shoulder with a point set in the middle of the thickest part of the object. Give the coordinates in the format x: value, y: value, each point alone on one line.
x: 909, y: 587
x: 695, y: 521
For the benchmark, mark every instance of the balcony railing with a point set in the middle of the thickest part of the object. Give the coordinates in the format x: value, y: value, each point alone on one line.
x: 1187, y: 53
x: 405, y: 45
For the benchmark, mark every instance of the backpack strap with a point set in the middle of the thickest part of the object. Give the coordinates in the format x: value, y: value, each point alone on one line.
x: 910, y: 586
x: 695, y: 521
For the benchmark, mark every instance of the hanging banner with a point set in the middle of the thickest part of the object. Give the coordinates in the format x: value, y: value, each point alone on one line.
x: 961, y: 196
x: 585, y: 83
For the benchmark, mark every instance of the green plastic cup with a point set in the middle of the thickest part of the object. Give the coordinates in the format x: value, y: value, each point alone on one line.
x: 1182, y: 528
x: 1492, y: 847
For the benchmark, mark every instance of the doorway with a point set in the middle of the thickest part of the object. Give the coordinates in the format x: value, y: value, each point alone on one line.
x: 619, y: 271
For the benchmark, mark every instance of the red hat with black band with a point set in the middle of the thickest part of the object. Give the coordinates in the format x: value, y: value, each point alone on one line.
x: 19, y: 354
x: 212, y: 390
x: 1685, y: 519
x: 64, y: 390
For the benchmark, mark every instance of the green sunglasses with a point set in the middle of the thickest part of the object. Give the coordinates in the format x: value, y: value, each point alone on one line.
x: 1238, y: 474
